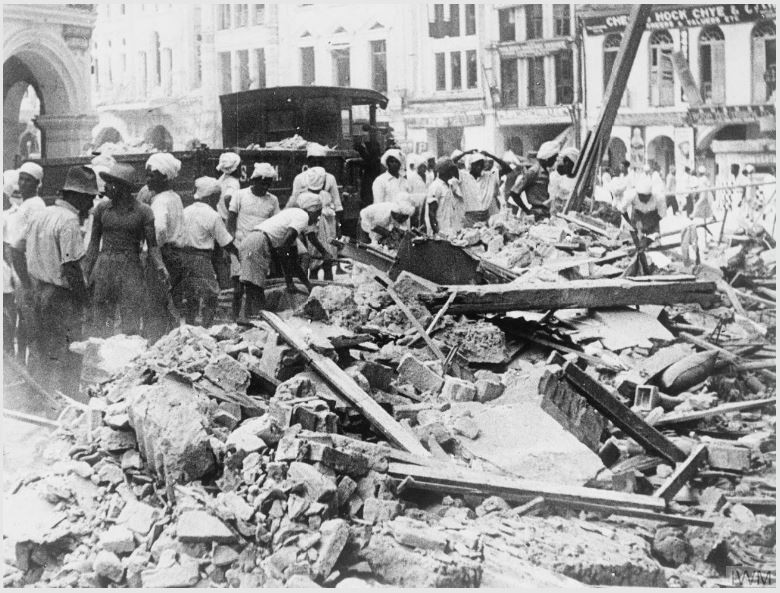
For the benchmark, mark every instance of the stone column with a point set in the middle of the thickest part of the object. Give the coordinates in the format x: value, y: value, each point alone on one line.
x: 65, y: 135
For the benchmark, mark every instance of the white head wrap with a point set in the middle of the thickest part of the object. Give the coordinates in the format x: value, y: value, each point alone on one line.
x: 750, y: 168
x: 644, y: 185
x: 315, y: 178
x: 427, y: 156
x: 547, y: 150
x: 456, y: 153
x: 228, y: 162
x: 395, y: 153
x: 402, y: 205
x: 10, y: 181
x: 165, y: 163
x: 571, y: 153
x: 32, y: 169
x: 316, y: 150
x: 309, y: 201
x: 510, y: 158
x: 702, y: 170
x: 263, y: 170
x: 475, y: 158
x: 205, y: 187
x: 103, y: 160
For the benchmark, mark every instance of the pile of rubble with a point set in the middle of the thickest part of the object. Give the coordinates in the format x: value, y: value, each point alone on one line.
x: 367, y: 439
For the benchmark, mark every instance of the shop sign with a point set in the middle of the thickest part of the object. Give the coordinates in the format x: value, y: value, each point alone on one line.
x: 445, y: 121
x: 683, y: 17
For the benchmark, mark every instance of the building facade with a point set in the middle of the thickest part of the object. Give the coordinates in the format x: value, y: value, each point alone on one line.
x: 701, y: 89
x: 46, y: 49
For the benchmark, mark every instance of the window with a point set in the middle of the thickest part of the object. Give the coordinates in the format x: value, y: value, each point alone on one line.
x: 441, y: 82
x: 454, y: 28
x: 243, y: 69
x: 471, y: 69
x: 167, y: 67
x: 561, y: 20
x: 764, y: 39
x: 564, y: 78
x: 242, y: 15
x: 506, y: 24
x: 712, y: 64
x: 661, y: 72
x: 471, y: 19
x: 197, y: 70
x: 307, y: 66
x: 109, y: 71
x: 259, y: 14
x: 341, y: 67
x: 223, y: 16
x: 455, y: 70
x: 143, y: 70
x: 611, y: 47
x: 379, y: 66
x: 224, y: 68
x: 533, y: 21
x: 436, y: 27
x: 536, y: 81
x: 158, y: 59
x: 260, y: 56
x: 509, y: 92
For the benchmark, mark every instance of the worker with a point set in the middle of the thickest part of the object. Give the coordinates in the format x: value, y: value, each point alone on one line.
x: 692, y: 187
x: 562, y: 178
x: 53, y: 251
x: 480, y: 186
x: 445, y: 209
x: 391, y: 183
x: 646, y: 207
x: 30, y: 178
x: 274, y: 240
x: 159, y: 318
x: 326, y: 228
x: 378, y: 221
x: 203, y: 227
x: 101, y: 163
x: 315, y: 157
x: 11, y: 201
x: 749, y: 201
x: 249, y: 207
x: 621, y: 183
x: 430, y: 160
x: 229, y: 167
x: 535, y: 183
x: 418, y: 189
x: 670, y: 189
x: 113, y: 262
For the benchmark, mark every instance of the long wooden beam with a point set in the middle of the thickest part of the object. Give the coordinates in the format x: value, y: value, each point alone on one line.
x: 621, y: 415
x: 672, y: 419
x: 682, y: 474
x: 487, y: 483
x: 576, y: 294
x: 337, y: 379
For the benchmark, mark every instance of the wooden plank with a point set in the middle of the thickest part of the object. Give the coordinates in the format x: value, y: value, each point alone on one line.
x: 620, y: 415
x: 594, y: 360
x: 489, y: 484
x: 755, y: 404
x: 30, y: 418
x: 754, y: 298
x: 729, y: 291
x: 576, y: 294
x: 529, y: 507
x: 337, y: 379
x: 641, y: 514
x: 682, y: 474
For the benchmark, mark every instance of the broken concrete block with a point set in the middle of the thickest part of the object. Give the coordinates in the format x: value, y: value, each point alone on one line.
x: 317, y: 487
x: 300, y: 581
x: 103, y: 358
x: 138, y: 517
x: 228, y: 373
x: 280, y: 360
x: 244, y: 442
x: 492, y: 504
x: 489, y: 386
x: 458, y: 390
x: 231, y: 506
x: 334, y: 534
x: 224, y: 556
x: 134, y: 565
x: 170, y: 421
x: 480, y: 342
x: 350, y: 464
x: 117, y: 539
x: 108, y: 565
x: 228, y: 415
x: 183, y: 573
x: 131, y: 460
x: 225, y: 331
x: 411, y: 370
x: 199, y: 526
x: 379, y: 376
x: 377, y: 510
x: 417, y: 534
x: 116, y: 441
x: 670, y: 546
x: 728, y: 457
x: 570, y: 409
x: 466, y: 426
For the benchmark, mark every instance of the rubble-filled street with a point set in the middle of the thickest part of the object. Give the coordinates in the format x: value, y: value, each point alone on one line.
x: 337, y: 443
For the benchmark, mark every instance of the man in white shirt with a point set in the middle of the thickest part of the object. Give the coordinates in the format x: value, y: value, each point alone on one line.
x: 315, y: 157
x: 646, y: 207
x: 202, y: 228
x: 275, y: 240
x: 161, y: 169
x: 378, y: 221
x: 391, y: 183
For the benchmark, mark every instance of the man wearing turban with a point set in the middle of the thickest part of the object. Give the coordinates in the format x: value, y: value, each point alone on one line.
x: 378, y: 221
x: 391, y: 183
x: 230, y: 168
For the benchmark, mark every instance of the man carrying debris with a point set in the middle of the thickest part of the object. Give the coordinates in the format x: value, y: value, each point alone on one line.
x: 647, y: 208
x: 391, y: 183
x: 480, y: 186
x: 52, y: 272
x: 379, y: 221
x: 275, y: 240
x: 535, y: 183
x: 159, y: 318
x: 445, y: 211
x: 562, y: 178
x: 113, y: 262
x: 203, y: 227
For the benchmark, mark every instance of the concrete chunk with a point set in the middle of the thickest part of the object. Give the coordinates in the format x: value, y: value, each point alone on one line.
x: 417, y: 534
x: 108, y: 565
x: 199, y: 526
x: 228, y: 373
x: 181, y: 574
x: 334, y: 535
x: 411, y: 370
x: 118, y: 539
x: 458, y: 390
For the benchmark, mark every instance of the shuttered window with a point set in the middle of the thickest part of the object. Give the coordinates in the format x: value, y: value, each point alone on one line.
x: 712, y: 65
x: 661, y: 69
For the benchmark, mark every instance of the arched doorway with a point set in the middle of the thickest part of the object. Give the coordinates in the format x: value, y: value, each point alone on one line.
x: 616, y: 154
x: 660, y: 152
x: 107, y: 134
x: 160, y: 138
x: 21, y: 106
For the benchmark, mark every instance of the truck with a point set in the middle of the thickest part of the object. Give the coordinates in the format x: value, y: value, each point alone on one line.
x: 337, y: 117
